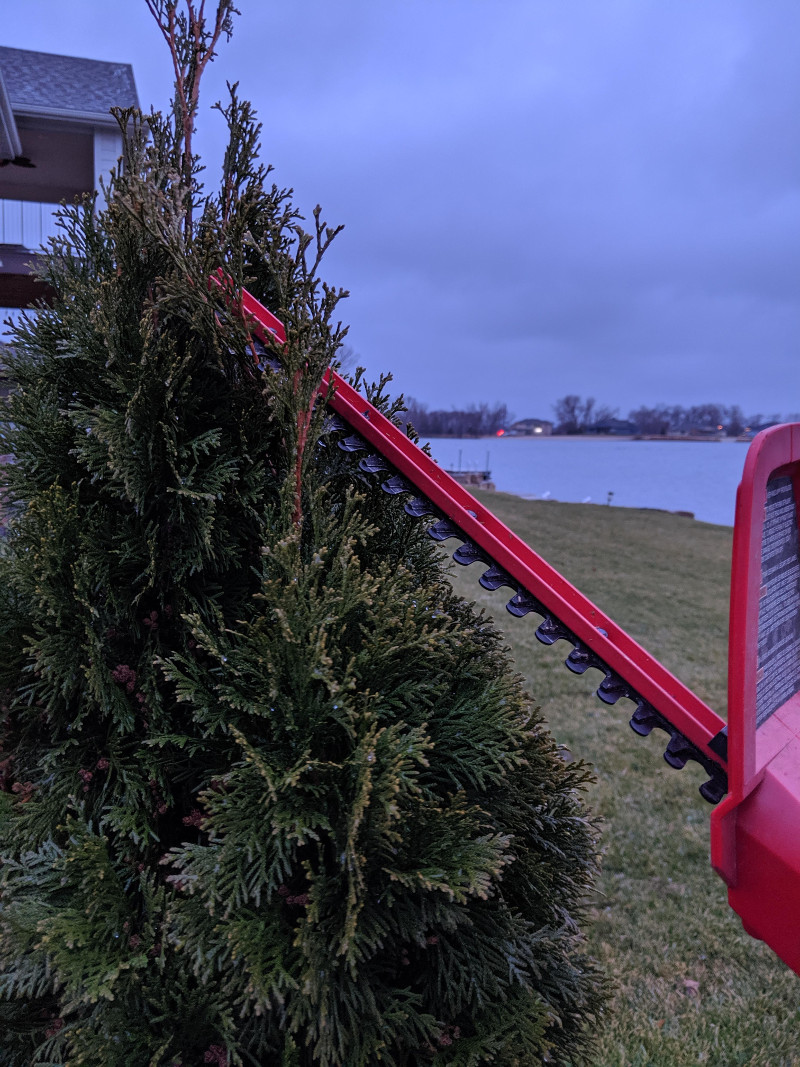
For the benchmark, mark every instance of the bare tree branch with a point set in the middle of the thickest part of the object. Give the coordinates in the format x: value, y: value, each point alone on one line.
x: 192, y: 47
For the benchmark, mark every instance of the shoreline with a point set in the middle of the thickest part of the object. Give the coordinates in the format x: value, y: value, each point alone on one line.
x: 648, y: 438
x: 599, y: 504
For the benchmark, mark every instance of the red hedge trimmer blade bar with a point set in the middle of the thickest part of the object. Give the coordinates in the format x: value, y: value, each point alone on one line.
x: 663, y: 701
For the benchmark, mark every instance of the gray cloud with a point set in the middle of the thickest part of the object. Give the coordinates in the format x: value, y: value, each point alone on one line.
x: 539, y: 197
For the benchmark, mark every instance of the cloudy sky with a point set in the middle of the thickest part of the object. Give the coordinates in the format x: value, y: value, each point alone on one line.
x: 540, y: 197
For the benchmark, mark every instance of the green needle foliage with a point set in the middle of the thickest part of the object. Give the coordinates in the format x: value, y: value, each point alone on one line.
x: 271, y: 792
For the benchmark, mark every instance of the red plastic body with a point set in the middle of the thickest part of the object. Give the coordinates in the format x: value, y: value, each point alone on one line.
x: 755, y: 831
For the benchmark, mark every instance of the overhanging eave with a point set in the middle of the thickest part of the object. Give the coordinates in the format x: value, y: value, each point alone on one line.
x: 66, y: 115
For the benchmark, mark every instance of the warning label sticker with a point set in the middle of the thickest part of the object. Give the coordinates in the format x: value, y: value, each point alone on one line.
x: 778, y: 676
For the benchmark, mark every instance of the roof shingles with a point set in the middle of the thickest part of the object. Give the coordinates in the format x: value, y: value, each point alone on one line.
x: 38, y: 80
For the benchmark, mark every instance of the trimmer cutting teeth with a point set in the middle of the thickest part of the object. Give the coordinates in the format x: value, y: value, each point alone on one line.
x: 679, y: 749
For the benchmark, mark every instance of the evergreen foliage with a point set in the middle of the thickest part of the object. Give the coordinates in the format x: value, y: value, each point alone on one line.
x: 271, y: 793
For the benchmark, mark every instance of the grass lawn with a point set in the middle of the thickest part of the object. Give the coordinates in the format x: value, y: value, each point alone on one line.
x: 692, y: 987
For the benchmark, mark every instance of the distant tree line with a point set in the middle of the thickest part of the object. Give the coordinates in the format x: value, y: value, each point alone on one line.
x: 477, y: 420
x: 574, y: 415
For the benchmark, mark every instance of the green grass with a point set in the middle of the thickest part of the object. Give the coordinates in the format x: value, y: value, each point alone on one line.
x: 661, y: 918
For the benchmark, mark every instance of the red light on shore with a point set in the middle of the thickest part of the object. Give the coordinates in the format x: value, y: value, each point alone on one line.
x: 501, y: 433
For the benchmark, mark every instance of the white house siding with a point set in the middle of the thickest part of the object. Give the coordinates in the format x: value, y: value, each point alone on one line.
x: 26, y: 222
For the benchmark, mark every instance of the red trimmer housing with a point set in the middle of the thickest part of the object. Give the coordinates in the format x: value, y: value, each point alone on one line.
x: 755, y: 831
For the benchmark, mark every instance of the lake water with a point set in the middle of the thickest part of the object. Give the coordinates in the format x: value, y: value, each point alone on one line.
x: 696, y: 476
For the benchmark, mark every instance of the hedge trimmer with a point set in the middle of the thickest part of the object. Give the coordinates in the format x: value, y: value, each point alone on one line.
x: 755, y: 831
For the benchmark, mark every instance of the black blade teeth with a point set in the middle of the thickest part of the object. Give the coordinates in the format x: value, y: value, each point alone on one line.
x: 470, y: 553
x: 373, y: 464
x: 419, y: 507
x: 396, y: 484
x: 717, y: 785
x: 353, y: 443
x: 443, y: 529
x: 581, y: 658
x: 265, y: 357
x: 521, y: 603
x: 495, y: 577
x: 550, y: 630
x: 680, y: 750
x: 267, y: 361
x: 646, y: 718
x: 334, y: 424
x: 612, y: 688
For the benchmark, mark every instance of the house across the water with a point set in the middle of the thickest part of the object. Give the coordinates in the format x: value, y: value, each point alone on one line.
x: 530, y: 428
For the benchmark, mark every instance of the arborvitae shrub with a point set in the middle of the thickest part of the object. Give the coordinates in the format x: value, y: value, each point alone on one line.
x: 272, y: 794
